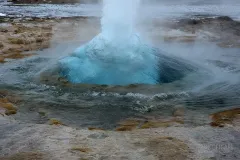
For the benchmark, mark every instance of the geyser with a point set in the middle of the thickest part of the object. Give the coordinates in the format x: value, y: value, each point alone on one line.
x: 117, y: 55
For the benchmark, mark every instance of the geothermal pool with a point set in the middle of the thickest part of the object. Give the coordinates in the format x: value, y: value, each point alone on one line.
x: 118, y: 55
x: 155, y: 77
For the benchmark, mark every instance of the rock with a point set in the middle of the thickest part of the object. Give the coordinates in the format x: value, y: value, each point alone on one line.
x: 219, y: 119
x: 39, y: 40
x: 225, y: 30
x: 54, y: 121
x: 10, y: 112
x: 63, y: 80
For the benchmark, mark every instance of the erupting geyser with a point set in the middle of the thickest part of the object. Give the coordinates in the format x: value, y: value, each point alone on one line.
x: 115, y: 56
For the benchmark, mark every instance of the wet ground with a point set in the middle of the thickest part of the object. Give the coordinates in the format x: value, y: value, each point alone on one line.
x: 201, y: 81
x: 201, y: 59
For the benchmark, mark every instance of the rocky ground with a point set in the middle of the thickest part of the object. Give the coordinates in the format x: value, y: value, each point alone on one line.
x: 166, y: 139
x: 18, y: 36
x: 36, y: 141
x: 222, y: 30
x: 22, y: 37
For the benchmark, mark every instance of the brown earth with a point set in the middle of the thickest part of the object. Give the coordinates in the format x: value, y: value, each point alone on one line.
x: 22, y: 36
x: 222, y: 118
x: 8, y: 103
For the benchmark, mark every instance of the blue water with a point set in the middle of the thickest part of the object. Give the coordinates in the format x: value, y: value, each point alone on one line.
x: 117, y: 55
x: 104, y: 62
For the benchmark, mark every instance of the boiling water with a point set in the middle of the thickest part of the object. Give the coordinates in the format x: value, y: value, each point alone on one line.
x: 117, y: 55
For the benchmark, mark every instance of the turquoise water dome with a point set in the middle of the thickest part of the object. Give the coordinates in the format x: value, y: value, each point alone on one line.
x: 117, y: 56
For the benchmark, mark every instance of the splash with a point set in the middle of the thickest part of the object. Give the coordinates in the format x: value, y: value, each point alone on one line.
x: 115, y: 56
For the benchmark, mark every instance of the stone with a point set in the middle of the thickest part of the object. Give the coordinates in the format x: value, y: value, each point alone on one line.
x: 10, y: 112
x: 54, y: 121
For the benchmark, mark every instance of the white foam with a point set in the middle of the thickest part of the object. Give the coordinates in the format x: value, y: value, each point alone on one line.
x: 2, y: 14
